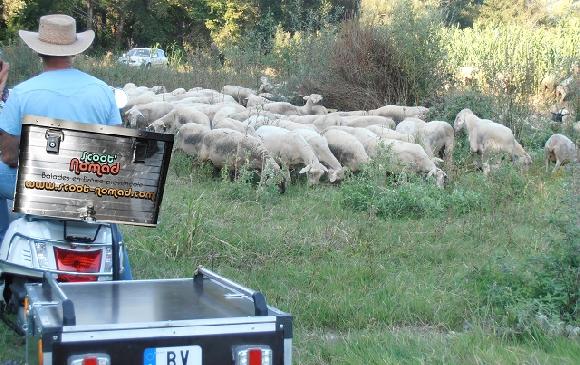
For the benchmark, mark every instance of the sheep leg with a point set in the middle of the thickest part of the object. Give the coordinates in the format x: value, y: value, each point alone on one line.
x: 558, y: 163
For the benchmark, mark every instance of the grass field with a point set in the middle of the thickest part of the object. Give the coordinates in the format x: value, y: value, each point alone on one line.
x: 365, y: 289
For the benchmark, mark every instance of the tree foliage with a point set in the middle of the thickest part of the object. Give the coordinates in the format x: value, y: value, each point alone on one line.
x: 183, y: 24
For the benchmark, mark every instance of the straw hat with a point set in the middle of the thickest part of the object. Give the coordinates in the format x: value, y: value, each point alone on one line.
x: 57, y: 36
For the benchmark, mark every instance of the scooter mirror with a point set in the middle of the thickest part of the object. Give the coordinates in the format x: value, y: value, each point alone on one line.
x: 121, y: 98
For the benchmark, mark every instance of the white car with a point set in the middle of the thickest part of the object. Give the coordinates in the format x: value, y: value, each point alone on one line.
x: 146, y: 57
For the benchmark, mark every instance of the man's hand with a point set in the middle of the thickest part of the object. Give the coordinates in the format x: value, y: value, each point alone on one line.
x: 9, y: 146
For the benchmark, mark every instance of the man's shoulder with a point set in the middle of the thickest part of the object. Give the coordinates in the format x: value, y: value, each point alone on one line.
x: 60, y: 81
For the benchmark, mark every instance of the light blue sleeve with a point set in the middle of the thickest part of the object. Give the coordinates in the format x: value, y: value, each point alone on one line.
x: 10, y: 116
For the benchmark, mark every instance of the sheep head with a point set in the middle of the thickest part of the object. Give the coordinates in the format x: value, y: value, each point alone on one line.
x: 135, y: 117
x: 314, y: 172
x: 157, y: 126
x: 440, y: 177
x: 460, y: 119
x: 313, y: 98
x: 335, y: 175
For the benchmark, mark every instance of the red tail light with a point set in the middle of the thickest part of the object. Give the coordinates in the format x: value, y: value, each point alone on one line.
x: 77, y: 261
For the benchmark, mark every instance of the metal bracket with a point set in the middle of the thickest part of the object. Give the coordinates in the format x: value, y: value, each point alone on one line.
x: 53, y: 139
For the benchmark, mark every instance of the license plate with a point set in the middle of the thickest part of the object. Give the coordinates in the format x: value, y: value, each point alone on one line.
x: 178, y: 355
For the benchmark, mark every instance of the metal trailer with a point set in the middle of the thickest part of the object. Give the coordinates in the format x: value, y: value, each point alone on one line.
x: 203, y: 320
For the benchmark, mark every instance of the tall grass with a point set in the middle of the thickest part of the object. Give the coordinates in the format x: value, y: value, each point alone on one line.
x: 514, y: 58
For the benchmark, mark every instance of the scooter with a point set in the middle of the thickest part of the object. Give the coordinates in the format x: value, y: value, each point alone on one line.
x: 72, y: 250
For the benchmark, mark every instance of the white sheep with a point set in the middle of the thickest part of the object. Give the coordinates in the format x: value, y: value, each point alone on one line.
x: 412, y: 157
x: 486, y: 137
x: 312, y: 107
x: 286, y: 124
x: 239, y: 93
x: 291, y: 149
x: 387, y: 133
x: 232, y: 149
x: 438, y: 139
x: 256, y: 100
x: 346, y: 148
x: 140, y: 116
x: 411, y: 126
x: 180, y: 115
x: 398, y: 112
x: 368, y: 139
x: 364, y: 121
x: 236, y: 125
x: 559, y: 149
x: 303, y: 119
x: 325, y: 156
x: 189, y: 138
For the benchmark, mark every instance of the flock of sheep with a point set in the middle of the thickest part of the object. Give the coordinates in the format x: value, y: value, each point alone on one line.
x: 238, y: 126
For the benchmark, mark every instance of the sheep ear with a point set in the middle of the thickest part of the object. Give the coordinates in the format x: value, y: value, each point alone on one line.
x: 305, y: 169
x: 305, y: 97
x: 430, y: 173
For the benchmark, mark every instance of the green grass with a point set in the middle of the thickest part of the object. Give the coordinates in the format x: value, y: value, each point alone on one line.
x: 362, y: 289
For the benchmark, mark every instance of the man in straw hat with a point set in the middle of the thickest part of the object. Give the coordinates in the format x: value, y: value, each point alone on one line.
x: 60, y: 91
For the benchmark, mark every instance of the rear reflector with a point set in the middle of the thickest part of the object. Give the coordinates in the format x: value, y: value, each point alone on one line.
x: 90, y: 359
x: 252, y: 355
x: 77, y: 261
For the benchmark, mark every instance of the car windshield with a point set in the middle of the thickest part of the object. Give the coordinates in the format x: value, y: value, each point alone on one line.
x: 160, y: 53
x: 138, y: 52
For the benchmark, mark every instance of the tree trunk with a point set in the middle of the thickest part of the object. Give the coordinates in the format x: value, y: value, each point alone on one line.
x: 89, y: 14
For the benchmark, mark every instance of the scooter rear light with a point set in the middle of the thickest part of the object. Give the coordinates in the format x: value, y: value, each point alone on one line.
x: 77, y: 261
x: 90, y: 359
x: 252, y: 355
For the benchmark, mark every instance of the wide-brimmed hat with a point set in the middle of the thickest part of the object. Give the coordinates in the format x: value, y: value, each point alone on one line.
x: 57, y: 36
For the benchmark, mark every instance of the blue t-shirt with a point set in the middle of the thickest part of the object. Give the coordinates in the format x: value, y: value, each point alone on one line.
x: 67, y: 94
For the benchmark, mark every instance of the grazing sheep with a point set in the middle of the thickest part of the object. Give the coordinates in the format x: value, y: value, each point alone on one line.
x: 368, y: 139
x: 366, y: 120
x: 291, y: 149
x: 350, y: 113
x: 232, y: 149
x: 312, y: 107
x: 180, y: 115
x: 398, y: 112
x: 411, y: 156
x: 178, y: 91
x: 304, y: 119
x: 346, y: 148
x: 289, y: 125
x: 140, y: 116
x: 486, y: 137
x: 189, y: 138
x: 226, y: 110
x: 438, y: 139
x: 280, y: 107
x: 236, y: 125
x: 387, y: 133
x: 325, y: 156
x: 256, y: 100
x: 559, y: 149
x: 411, y: 126
x: 239, y: 93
